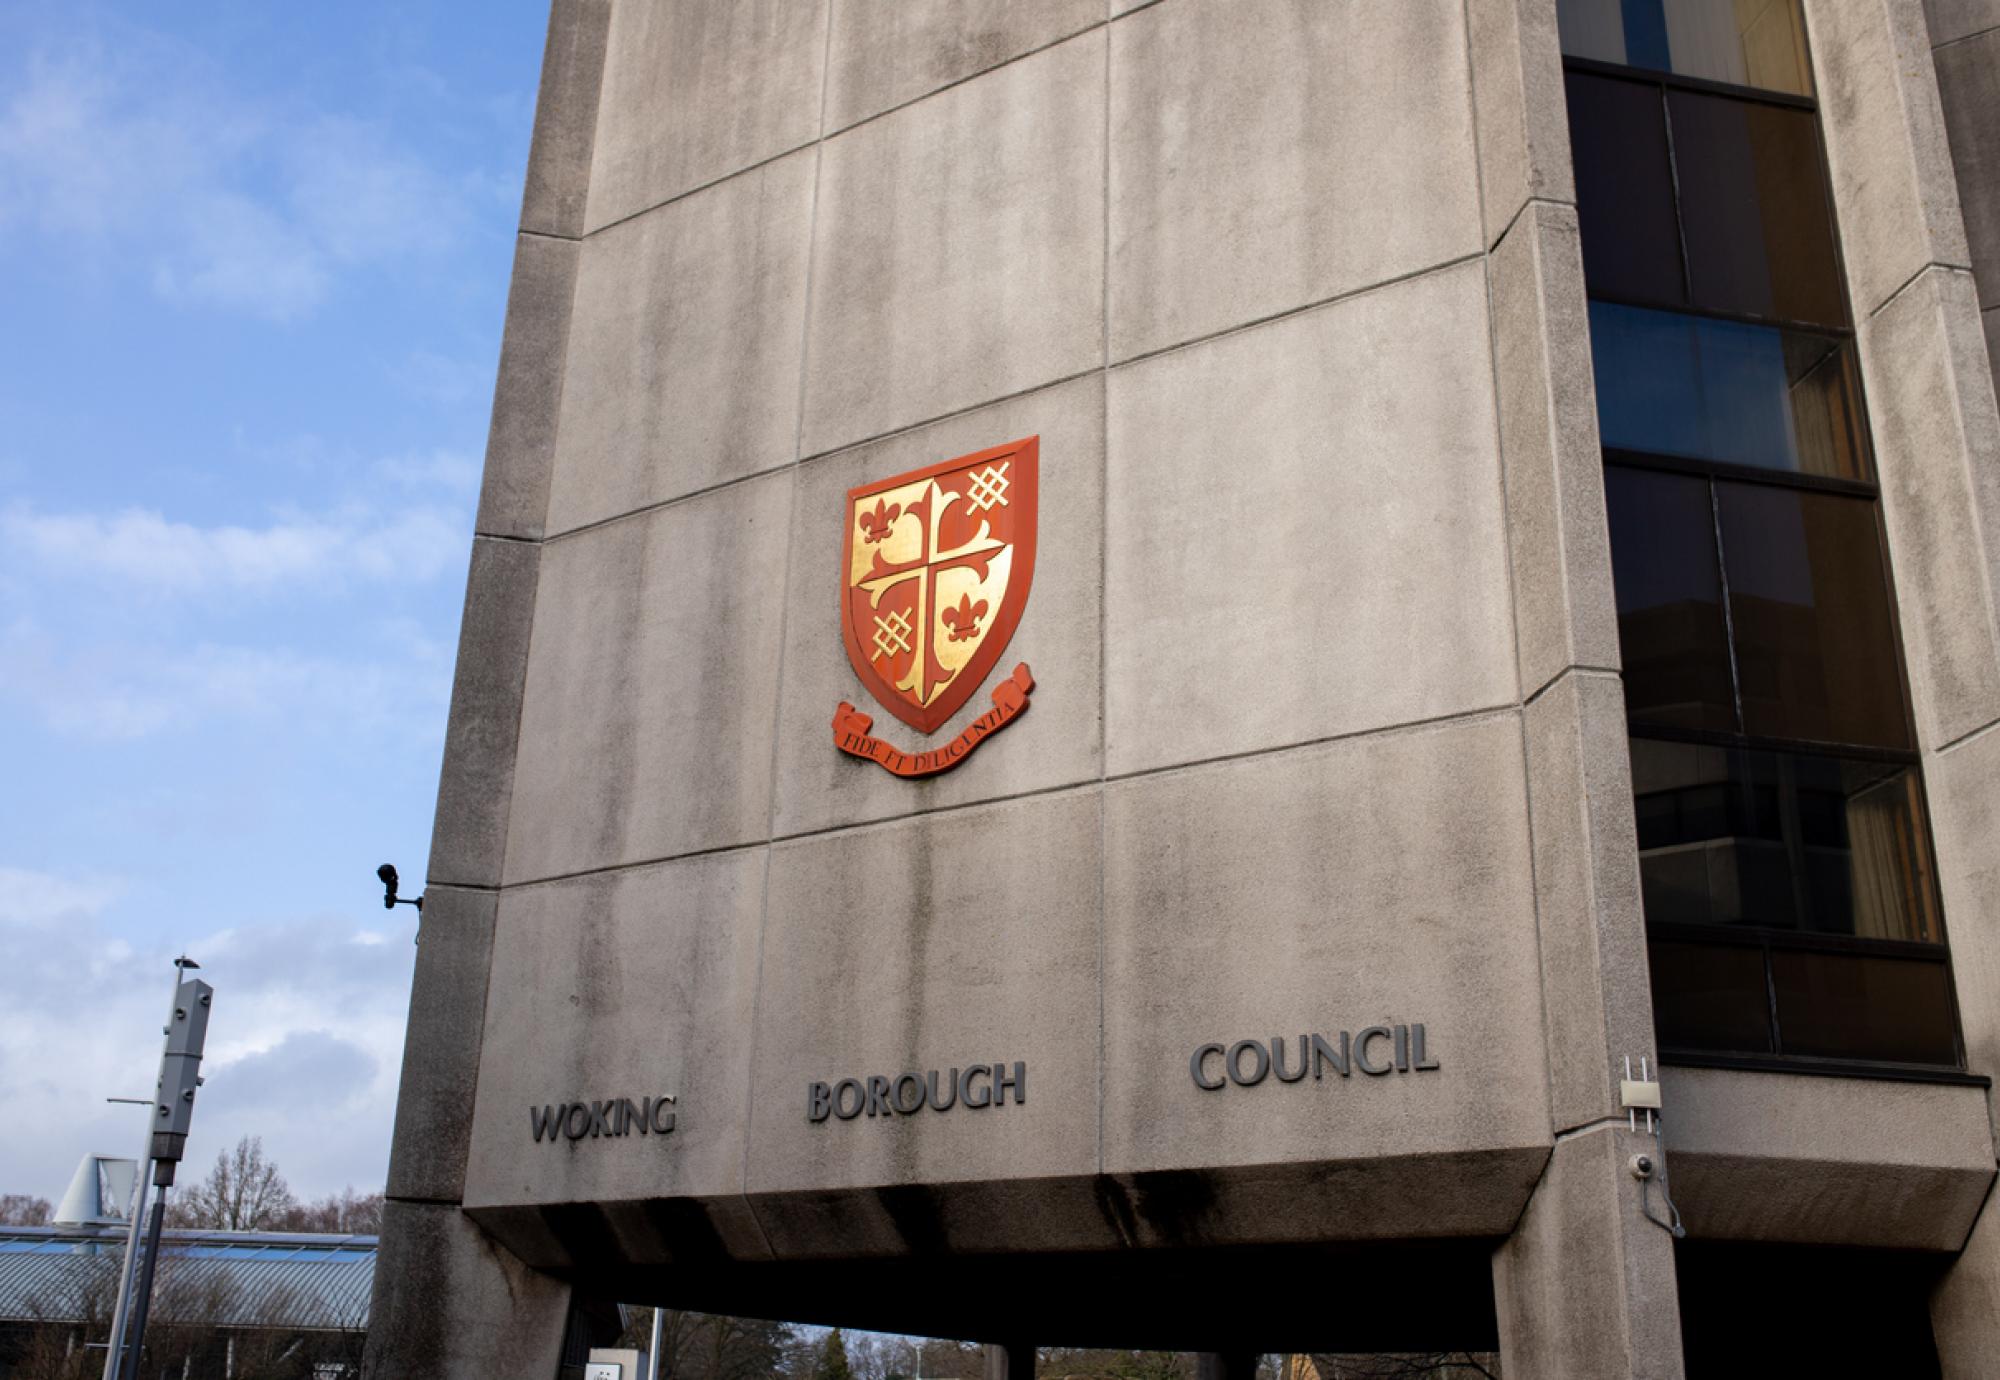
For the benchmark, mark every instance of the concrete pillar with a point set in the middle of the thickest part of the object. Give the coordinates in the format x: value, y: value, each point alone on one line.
x: 450, y: 1304
x: 1585, y: 1286
x: 1965, y: 1306
x: 1965, y: 48
x: 1013, y: 1360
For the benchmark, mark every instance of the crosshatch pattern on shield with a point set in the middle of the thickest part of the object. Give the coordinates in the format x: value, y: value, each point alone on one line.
x: 935, y: 572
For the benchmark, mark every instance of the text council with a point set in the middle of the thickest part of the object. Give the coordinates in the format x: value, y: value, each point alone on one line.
x: 1377, y: 1051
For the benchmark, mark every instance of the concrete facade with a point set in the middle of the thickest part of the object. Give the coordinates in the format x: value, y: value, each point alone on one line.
x: 1328, y: 730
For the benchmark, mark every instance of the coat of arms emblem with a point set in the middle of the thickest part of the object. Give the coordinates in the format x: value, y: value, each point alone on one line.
x: 935, y: 568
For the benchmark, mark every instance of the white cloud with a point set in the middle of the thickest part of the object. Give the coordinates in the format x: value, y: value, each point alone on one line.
x: 142, y: 156
x: 304, y: 1048
x: 40, y: 898
x: 123, y: 692
x: 155, y: 555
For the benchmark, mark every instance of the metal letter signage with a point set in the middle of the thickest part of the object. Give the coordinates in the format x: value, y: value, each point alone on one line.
x: 1376, y: 1051
x: 935, y: 568
x: 974, y: 1086
x: 618, y: 1116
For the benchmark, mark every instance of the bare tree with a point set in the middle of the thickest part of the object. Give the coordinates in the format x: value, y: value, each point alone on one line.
x: 1096, y: 1363
x: 23, y: 1210
x: 58, y: 1325
x: 1426, y: 1365
x: 707, y: 1346
x: 346, y: 1212
x: 244, y: 1192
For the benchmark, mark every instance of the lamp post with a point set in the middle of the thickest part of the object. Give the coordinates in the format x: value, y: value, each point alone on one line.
x: 180, y: 1066
x: 115, y: 1344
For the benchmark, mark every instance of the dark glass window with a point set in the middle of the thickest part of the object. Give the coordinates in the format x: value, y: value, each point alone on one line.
x: 1782, y: 840
x: 1758, y: 43
x: 1726, y: 391
x: 1625, y: 184
x: 1783, y: 631
x: 1714, y: 998
x: 1784, y: 852
x: 1754, y: 209
x: 1863, y: 1006
x: 1670, y: 620
x: 1809, y: 613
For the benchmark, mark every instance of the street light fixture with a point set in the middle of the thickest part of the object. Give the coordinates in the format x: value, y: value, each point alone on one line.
x: 180, y: 1075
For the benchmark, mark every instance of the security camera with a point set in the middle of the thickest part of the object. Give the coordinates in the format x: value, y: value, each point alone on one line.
x: 1642, y: 1166
x: 387, y: 873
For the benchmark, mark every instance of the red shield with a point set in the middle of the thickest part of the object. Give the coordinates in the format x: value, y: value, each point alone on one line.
x: 934, y: 574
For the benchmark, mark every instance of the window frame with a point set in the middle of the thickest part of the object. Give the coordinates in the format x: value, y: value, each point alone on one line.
x: 1664, y: 82
x: 1765, y: 941
x: 1712, y: 472
x: 1762, y: 938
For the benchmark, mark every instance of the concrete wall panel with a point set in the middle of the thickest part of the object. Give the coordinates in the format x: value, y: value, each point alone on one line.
x: 959, y: 254
x: 1968, y: 77
x: 1304, y: 533
x: 1557, y: 533
x: 654, y: 667
x: 1523, y: 119
x: 1965, y: 822
x: 1893, y: 191
x: 644, y: 982
x: 527, y: 393
x: 1058, y: 741
x: 482, y: 737
x: 1585, y: 1285
x: 960, y: 938
x: 1595, y: 984
x: 689, y: 373
x: 1377, y: 881
x: 453, y: 1305
x: 1965, y: 1307
x: 1266, y: 154
x: 886, y: 52
x: 700, y: 89
x: 1833, y: 1161
x: 558, y: 179
x: 434, y: 1098
x: 1951, y: 20
x: 1937, y: 444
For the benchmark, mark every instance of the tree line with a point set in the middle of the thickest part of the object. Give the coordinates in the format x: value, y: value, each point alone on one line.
x: 243, y: 1191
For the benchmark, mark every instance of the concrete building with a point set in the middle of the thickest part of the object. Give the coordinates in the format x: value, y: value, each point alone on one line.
x: 1514, y: 521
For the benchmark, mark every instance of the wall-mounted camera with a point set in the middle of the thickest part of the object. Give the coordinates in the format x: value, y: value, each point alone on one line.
x: 390, y: 900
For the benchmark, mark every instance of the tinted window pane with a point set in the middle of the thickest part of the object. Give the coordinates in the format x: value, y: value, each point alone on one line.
x: 1670, y: 629
x: 1624, y: 190
x: 1809, y: 605
x: 1754, y: 209
x: 1713, y: 848
x: 1852, y: 1006
x: 1781, y: 840
x: 1669, y: 384
x: 1757, y: 43
x: 1710, y: 997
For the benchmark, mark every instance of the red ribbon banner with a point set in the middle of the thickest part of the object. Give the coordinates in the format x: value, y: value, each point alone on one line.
x: 850, y: 731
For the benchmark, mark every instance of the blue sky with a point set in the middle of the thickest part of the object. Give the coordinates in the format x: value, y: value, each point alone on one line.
x: 253, y: 265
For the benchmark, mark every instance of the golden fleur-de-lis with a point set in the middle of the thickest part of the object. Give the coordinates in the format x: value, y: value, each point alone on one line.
x: 964, y: 620
x: 875, y: 526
